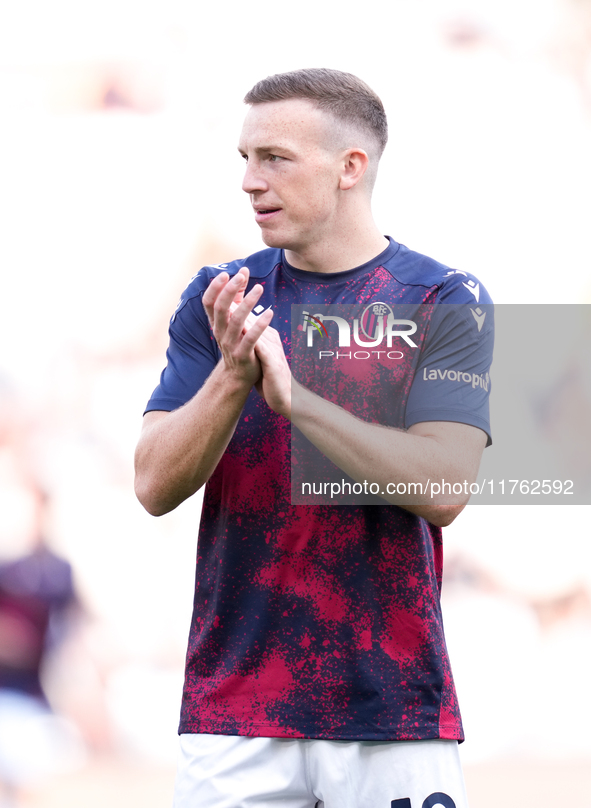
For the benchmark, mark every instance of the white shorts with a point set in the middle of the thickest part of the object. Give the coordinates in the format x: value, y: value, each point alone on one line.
x: 229, y: 771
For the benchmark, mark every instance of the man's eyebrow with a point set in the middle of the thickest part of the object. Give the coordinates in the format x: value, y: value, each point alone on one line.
x: 270, y: 149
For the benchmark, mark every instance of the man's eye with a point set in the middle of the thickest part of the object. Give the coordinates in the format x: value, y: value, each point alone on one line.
x: 274, y: 158
x: 244, y: 157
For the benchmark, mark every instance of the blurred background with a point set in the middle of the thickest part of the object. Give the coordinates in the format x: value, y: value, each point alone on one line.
x: 119, y: 178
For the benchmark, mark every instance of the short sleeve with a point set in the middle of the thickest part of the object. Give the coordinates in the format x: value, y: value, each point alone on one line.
x: 452, y: 381
x: 191, y: 356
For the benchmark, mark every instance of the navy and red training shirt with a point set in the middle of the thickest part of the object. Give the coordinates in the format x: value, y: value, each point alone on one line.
x: 321, y: 621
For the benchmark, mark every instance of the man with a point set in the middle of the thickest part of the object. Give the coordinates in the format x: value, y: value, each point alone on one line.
x: 317, y: 672
x: 37, y: 603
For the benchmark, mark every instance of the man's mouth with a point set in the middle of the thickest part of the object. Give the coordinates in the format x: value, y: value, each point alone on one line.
x: 263, y: 214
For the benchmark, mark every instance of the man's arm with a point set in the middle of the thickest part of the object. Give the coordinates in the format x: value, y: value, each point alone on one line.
x: 178, y: 451
x: 427, y: 452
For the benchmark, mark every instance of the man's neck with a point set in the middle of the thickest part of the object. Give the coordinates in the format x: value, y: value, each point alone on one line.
x: 347, y: 253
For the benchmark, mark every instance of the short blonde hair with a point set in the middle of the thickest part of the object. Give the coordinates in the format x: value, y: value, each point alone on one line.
x: 348, y: 99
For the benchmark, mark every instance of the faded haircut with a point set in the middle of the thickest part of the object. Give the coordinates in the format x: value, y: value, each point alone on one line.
x: 349, y: 100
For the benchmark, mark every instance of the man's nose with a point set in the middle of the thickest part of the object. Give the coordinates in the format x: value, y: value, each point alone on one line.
x: 253, y: 178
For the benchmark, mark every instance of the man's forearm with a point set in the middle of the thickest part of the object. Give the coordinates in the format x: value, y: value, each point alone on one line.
x: 384, y: 455
x: 178, y: 452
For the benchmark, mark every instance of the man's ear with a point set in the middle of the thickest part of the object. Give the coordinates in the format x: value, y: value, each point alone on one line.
x: 354, y: 166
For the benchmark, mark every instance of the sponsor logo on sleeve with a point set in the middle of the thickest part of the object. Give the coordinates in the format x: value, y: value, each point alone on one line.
x: 470, y: 285
x: 473, y: 379
x: 473, y: 287
x: 479, y: 316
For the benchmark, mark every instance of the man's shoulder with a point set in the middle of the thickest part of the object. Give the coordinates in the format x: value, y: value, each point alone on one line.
x: 260, y: 264
x: 412, y: 268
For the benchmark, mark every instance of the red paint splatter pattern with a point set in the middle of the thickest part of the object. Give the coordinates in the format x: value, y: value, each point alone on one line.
x: 319, y: 622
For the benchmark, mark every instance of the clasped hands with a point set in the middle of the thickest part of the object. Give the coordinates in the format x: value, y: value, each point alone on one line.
x: 251, y: 348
